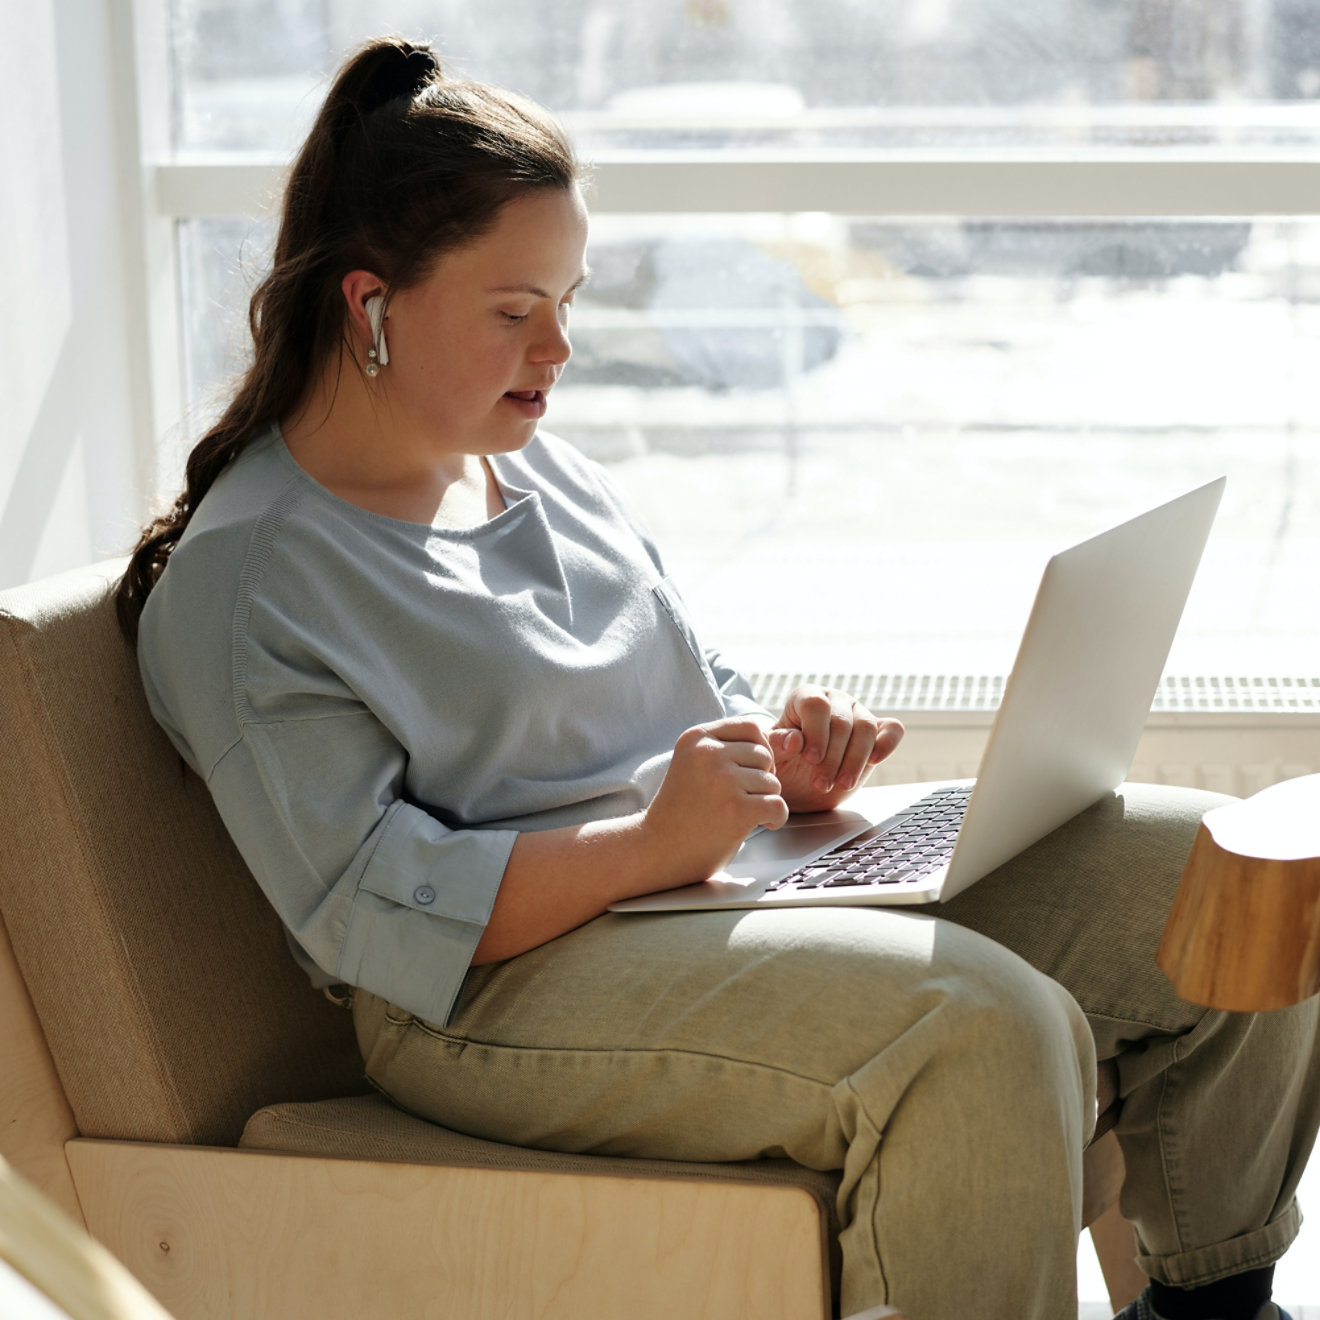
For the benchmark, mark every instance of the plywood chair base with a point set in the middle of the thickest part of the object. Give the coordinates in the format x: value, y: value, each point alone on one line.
x: 221, y: 1233
x: 216, y: 1233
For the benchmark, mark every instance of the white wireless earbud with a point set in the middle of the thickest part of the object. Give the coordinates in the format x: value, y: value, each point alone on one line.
x: 378, y: 355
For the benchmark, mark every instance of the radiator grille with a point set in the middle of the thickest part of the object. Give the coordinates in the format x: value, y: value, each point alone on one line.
x: 1227, y: 733
x: 886, y: 693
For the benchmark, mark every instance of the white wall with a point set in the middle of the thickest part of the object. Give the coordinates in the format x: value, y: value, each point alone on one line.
x: 71, y: 361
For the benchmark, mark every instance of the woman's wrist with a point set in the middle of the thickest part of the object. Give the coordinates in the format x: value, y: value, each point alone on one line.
x: 559, y: 879
x: 631, y: 855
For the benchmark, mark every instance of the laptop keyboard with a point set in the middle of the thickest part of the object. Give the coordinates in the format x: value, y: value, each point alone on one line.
x: 900, y: 850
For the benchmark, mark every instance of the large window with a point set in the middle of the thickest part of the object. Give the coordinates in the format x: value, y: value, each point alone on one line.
x: 819, y: 73
x: 858, y: 429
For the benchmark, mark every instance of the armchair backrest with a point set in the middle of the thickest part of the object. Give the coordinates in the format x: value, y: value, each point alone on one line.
x: 169, y: 999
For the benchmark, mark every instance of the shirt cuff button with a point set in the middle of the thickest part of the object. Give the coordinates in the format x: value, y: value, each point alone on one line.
x: 424, y: 895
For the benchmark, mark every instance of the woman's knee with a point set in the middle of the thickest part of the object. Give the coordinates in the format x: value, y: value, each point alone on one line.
x: 894, y: 985
x: 1088, y: 903
x: 1027, y: 1027
x: 991, y: 1042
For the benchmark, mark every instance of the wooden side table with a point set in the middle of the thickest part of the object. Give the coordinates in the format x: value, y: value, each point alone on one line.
x: 1244, y: 930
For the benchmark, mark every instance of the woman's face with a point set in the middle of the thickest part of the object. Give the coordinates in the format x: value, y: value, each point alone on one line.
x: 475, y: 347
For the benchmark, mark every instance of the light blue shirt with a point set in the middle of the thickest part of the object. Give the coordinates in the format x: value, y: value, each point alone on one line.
x: 379, y: 707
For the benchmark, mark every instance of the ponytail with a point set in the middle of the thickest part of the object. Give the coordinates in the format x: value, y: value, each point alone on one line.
x: 401, y: 166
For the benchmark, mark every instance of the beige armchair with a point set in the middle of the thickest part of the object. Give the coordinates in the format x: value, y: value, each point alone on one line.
x: 173, y: 1082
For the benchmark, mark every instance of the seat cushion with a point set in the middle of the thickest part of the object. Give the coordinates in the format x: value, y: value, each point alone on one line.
x: 369, y: 1127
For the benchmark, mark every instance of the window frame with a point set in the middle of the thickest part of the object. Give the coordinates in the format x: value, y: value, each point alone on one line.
x: 1061, y: 184
x: 1082, y: 184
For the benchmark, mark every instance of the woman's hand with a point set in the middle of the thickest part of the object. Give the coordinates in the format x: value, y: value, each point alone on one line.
x: 824, y: 743
x: 720, y: 785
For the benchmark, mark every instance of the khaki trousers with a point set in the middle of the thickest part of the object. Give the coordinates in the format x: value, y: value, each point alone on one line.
x: 943, y: 1061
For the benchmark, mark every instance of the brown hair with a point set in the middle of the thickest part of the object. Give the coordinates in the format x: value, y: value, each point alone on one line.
x: 402, y: 165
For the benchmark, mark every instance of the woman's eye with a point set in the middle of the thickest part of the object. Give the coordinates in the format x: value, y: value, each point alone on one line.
x: 514, y: 317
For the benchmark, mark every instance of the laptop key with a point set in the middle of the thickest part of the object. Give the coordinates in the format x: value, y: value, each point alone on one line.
x: 906, y: 847
x: 885, y: 878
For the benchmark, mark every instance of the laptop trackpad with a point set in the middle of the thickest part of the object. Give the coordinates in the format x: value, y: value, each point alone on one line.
x: 765, y: 856
x: 776, y: 852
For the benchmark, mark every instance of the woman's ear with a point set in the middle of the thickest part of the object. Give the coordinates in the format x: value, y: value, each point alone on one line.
x: 365, y: 294
x: 359, y: 287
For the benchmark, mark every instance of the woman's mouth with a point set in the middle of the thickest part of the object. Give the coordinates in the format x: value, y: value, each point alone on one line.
x: 531, y: 403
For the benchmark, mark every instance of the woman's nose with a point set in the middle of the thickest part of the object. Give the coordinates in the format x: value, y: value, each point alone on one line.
x: 554, y: 347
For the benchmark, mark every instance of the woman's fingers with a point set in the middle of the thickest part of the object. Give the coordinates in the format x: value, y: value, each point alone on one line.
x: 720, y: 762
x: 872, y: 740
x: 841, y: 738
x: 887, y: 738
x: 837, y: 733
x: 811, y: 709
x: 786, y: 744
x: 856, y: 753
x: 754, y: 755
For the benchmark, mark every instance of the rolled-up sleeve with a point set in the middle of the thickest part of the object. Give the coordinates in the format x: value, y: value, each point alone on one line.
x: 373, y: 888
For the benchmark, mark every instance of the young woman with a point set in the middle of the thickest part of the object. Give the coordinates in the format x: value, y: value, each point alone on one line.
x: 450, y: 708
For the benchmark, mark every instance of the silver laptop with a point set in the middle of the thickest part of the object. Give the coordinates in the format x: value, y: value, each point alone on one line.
x: 1065, y: 733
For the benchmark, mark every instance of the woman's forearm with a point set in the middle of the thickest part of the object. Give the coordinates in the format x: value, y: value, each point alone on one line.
x: 556, y: 880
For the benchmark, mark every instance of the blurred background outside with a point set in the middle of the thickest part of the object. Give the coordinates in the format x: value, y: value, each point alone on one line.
x: 858, y: 439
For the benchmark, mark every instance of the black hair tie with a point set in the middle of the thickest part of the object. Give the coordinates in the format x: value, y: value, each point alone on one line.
x: 396, y: 77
